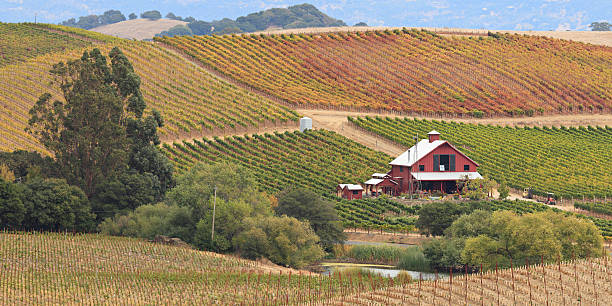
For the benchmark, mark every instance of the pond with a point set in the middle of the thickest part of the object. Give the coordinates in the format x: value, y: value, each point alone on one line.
x: 383, y: 270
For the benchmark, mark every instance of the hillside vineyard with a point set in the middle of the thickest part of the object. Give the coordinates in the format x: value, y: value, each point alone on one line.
x: 191, y: 101
x: 19, y: 42
x: 60, y: 269
x: 571, y: 162
x: 317, y: 160
x: 415, y: 71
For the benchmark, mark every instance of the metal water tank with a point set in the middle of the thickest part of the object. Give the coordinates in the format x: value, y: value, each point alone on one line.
x: 305, y: 124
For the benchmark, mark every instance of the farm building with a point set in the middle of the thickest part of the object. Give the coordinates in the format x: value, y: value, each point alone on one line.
x: 349, y: 191
x: 430, y: 165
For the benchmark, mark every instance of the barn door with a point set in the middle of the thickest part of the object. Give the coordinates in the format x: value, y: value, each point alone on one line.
x: 452, y: 162
x: 436, y: 162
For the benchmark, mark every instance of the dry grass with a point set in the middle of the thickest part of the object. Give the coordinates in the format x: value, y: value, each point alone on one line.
x: 138, y: 28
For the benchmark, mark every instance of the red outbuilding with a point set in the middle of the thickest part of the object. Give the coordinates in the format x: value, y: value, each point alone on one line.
x: 430, y: 165
x: 349, y: 191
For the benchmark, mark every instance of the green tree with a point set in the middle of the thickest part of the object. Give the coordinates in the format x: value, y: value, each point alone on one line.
x: 153, y: 15
x: 111, y: 16
x: 228, y: 223
x: 125, y: 192
x: 85, y: 131
x: 6, y: 174
x: 12, y: 210
x: 20, y: 162
x: 600, y: 26
x: 434, y: 218
x: 504, y: 190
x: 132, y: 16
x: 195, y: 188
x: 98, y: 131
x: 284, y: 240
x: 304, y: 204
x: 52, y: 204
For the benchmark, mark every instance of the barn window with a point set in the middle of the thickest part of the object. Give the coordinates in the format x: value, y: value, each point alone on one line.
x: 421, y: 167
x: 466, y: 167
x: 355, y: 192
x: 444, y: 162
x: 401, y: 169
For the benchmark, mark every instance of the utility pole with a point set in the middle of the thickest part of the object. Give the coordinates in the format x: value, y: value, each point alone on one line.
x: 35, y: 17
x: 212, y: 232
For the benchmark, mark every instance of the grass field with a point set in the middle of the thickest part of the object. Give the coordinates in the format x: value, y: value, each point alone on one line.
x: 415, y: 71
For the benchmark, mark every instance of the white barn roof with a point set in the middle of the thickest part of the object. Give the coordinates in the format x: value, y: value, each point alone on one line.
x: 416, y: 152
x: 350, y: 186
x: 373, y: 181
x: 445, y: 176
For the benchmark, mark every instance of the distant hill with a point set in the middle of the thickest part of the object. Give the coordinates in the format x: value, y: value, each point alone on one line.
x: 293, y: 17
x: 138, y: 28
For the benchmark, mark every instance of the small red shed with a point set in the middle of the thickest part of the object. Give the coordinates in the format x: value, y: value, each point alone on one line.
x: 349, y: 191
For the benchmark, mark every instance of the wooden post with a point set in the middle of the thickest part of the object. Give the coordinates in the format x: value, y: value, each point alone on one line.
x: 560, y: 279
x: 481, y: 288
x: 450, y: 296
x: 544, y: 275
x: 466, y: 285
x: 512, y: 272
x: 420, y: 279
x: 576, y: 278
x: 497, y: 282
x: 528, y: 281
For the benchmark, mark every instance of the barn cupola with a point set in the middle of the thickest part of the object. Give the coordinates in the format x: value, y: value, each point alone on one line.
x: 433, y: 136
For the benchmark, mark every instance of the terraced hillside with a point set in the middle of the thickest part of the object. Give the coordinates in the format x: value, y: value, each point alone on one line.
x: 19, y: 42
x: 66, y: 269
x: 415, y: 71
x: 571, y: 162
x: 191, y: 100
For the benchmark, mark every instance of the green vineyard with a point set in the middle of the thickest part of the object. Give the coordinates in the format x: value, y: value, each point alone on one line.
x: 570, y: 162
x: 19, y: 42
x: 192, y: 101
x: 318, y: 160
x: 414, y: 71
x: 600, y: 208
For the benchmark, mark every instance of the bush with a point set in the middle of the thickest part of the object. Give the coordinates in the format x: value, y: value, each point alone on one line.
x: 284, y: 240
x: 148, y: 221
x: 304, y: 204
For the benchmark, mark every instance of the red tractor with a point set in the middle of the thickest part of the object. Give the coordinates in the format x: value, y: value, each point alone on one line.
x: 550, y: 199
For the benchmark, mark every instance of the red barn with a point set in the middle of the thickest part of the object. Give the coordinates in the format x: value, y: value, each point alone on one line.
x: 431, y: 165
x: 349, y: 191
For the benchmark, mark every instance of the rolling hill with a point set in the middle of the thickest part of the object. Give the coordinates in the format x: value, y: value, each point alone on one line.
x: 138, y: 28
x: 415, y: 72
x: 191, y: 100
x: 60, y: 268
